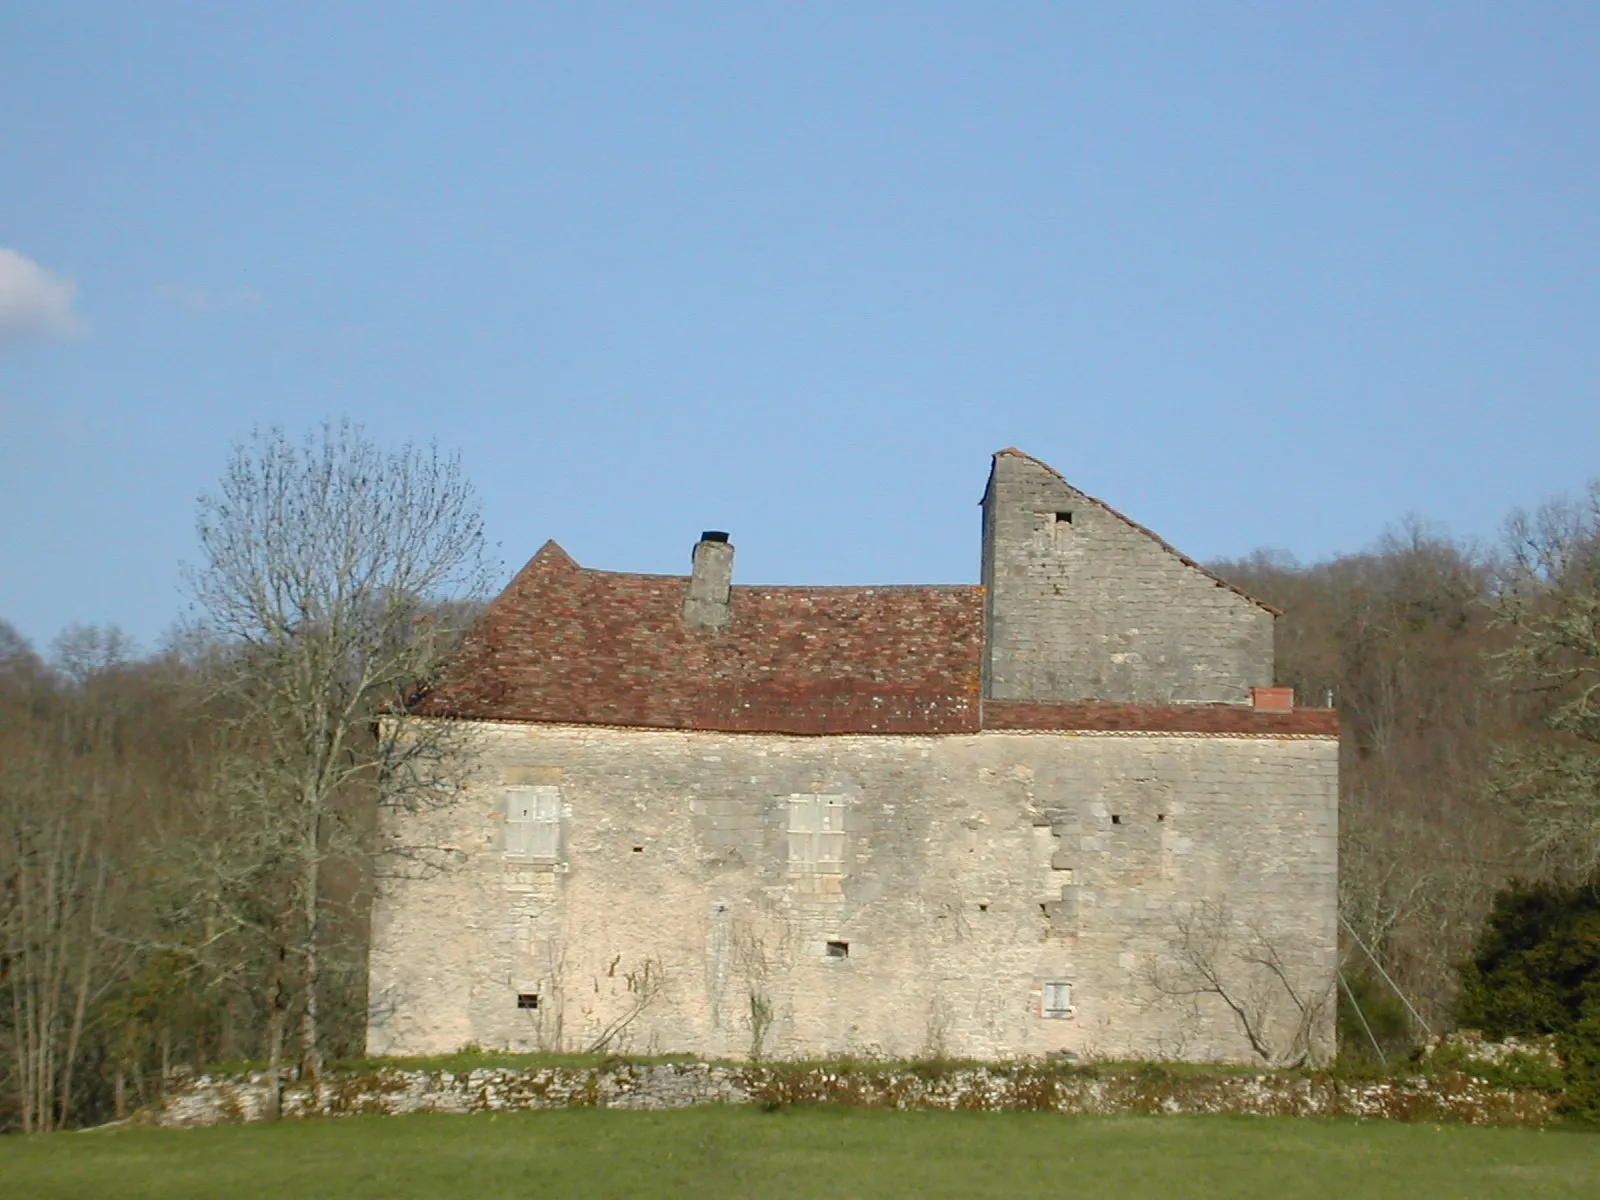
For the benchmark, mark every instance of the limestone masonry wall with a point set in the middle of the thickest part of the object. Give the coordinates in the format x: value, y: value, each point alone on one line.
x: 736, y: 895
x: 1085, y: 605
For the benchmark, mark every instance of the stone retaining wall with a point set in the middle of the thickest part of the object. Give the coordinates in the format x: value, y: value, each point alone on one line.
x: 210, y: 1100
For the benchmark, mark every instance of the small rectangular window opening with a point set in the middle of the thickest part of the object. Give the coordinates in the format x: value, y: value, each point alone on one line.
x: 527, y: 999
x: 1055, y: 999
x: 838, y: 949
x: 1116, y: 818
x: 1064, y: 518
x: 1161, y: 816
x: 816, y: 833
x: 533, y: 822
x: 638, y: 849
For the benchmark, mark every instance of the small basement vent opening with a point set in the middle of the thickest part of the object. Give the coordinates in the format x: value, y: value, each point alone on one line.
x: 527, y: 999
x: 838, y: 949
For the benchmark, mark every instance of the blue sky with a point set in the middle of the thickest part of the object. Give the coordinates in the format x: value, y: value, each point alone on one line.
x: 1258, y: 275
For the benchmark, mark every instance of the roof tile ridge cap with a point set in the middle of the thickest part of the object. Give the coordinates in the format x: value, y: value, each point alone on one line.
x: 602, y: 572
x: 1146, y: 530
x: 551, y: 554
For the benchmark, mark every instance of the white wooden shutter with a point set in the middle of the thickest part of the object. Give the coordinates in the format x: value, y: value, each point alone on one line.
x: 1056, y: 1000
x: 816, y: 833
x: 533, y: 821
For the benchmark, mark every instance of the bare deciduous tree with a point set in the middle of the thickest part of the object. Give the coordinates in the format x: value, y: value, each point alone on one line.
x: 1551, y: 602
x: 321, y: 561
x: 1399, y: 638
x: 63, y: 778
x: 645, y: 985
x: 53, y: 887
x: 1278, y: 1007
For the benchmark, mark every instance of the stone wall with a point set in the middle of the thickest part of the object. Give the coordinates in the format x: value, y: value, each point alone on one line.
x: 1085, y: 605
x: 393, y: 1091
x: 682, y: 914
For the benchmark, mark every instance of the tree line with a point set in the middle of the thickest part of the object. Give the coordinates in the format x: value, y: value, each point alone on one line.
x: 1467, y: 681
x: 189, y: 842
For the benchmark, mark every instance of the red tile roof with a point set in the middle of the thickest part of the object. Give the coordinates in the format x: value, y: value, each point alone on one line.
x: 566, y: 644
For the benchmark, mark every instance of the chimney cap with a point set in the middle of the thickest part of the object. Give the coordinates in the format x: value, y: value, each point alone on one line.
x: 713, y: 535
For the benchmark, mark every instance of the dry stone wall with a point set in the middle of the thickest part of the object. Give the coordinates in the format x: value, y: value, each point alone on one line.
x: 701, y: 900
x: 395, y: 1091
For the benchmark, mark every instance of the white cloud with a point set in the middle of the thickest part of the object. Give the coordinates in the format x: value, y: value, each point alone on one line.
x: 34, y: 304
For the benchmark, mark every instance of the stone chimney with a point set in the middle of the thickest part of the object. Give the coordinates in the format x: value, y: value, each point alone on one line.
x: 707, y: 602
x: 1272, y: 699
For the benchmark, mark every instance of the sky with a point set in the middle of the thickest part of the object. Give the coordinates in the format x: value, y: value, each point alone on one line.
x: 1257, y: 275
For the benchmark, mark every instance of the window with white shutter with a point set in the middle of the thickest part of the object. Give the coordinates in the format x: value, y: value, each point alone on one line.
x: 533, y: 822
x: 816, y: 833
x: 1055, y: 999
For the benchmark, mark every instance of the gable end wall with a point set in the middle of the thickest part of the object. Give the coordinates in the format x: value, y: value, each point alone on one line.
x: 1098, y: 609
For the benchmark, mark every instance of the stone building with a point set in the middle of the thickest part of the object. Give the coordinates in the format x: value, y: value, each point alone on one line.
x: 1061, y: 812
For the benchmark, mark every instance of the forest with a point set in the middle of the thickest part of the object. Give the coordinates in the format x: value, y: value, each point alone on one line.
x: 188, y: 842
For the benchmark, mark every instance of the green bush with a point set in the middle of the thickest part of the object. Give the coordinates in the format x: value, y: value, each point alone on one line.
x: 1536, y: 971
x: 1385, y: 1016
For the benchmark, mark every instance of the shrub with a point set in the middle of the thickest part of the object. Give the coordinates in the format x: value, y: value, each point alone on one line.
x: 1385, y: 1015
x: 1536, y: 971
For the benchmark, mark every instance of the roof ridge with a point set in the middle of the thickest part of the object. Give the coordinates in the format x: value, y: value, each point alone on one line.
x: 786, y: 587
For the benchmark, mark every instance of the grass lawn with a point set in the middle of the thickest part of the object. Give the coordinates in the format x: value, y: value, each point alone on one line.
x: 706, y: 1153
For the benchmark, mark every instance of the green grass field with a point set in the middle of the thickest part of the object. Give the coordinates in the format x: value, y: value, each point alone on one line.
x: 707, y: 1153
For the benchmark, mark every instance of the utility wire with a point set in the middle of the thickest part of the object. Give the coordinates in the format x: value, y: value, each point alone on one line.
x: 1356, y: 1004
x: 1409, y: 1008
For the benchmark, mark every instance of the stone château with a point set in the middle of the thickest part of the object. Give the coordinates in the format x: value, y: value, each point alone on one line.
x: 1064, y: 811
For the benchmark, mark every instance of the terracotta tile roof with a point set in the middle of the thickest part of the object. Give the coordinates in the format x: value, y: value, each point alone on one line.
x: 566, y: 644
x: 1148, y: 718
x: 1149, y: 533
